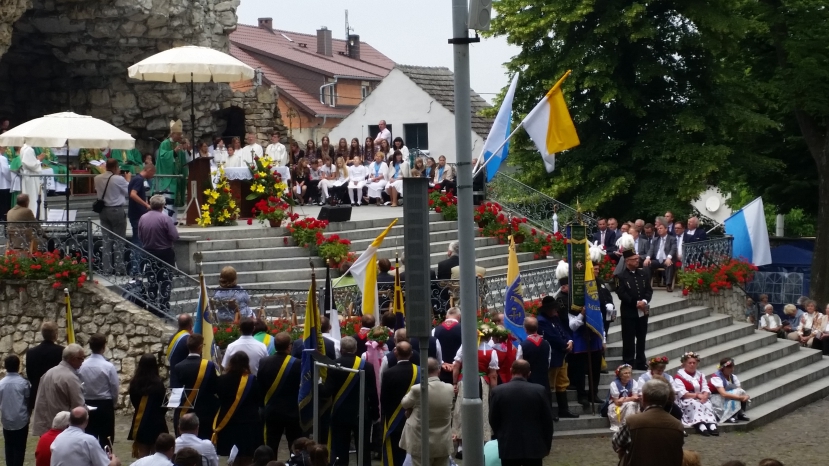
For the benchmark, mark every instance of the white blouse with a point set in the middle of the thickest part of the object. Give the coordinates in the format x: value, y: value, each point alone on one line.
x: 357, y: 173
x: 697, y: 381
x: 615, y: 393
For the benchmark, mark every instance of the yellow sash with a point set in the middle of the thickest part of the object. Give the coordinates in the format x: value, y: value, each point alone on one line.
x: 342, y: 390
x: 388, y: 458
x: 139, y: 415
x: 191, y: 397
x: 274, y: 386
x: 243, y: 383
x: 173, y: 342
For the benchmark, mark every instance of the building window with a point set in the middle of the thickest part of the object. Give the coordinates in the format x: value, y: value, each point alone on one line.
x: 365, y: 90
x: 416, y: 136
x: 328, y: 94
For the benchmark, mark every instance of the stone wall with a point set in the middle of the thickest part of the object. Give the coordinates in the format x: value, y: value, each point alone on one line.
x: 58, y: 55
x: 131, y: 331
x: 728, y: 301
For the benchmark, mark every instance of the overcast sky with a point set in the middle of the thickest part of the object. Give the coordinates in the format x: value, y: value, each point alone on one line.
x: 410, y: 32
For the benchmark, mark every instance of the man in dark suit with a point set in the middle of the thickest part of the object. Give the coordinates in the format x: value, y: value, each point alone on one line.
x: 682, y: 238
x: 42, y: 357
x: 395, y: 384
x: 605, y: 237
x: 177, y: 346
x: 613, y: 225
x: 635, y: 293
x: 536, y: 351
x: 521, y: 419
x: 648, y: 232
x: 669, y: 222
x: 695, y: 233
x: 445, y: 266
x: 279, y: 378
x: 345, y: 412
x: 636, y: 441
x: 330, y: 349
x: 186, y: 375
x: 448, y: 333
x: 662, y: 253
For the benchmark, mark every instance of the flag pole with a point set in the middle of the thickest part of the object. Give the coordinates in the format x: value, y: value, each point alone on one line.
x: 474, y: 171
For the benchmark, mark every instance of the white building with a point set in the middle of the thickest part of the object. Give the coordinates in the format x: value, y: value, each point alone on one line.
x: 417, y: 104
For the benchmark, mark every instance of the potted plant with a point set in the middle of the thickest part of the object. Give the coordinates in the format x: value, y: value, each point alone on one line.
x: 304, y: 232
x: 272, y: 209
x: 333, y: 249
x: 265, y: 181
x: 220, y: 209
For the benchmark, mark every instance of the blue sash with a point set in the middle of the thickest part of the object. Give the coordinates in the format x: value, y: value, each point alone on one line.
x: 440, y: 173
x: 396, y: 170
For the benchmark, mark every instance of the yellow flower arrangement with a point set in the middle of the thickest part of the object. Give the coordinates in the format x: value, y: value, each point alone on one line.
x: 220, y: 208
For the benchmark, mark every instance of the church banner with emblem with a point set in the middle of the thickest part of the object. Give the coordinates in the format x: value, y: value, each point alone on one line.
x: 577, y: 260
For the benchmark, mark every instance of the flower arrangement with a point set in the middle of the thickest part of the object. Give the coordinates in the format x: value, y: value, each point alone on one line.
x: 265, y: 181
x: 272, y: 209
x: 542, y: 245
x: 333, y: 249
x: 304, y: 232
x: 225, y: 334
x: 488, y: 329
x: 220, y: 209
x: 444, y: 203
x: 531, y: 307
x: 712, y: 279
x: 350, y: 326
x: 380, y: 334
x: 606, y: 268
x: 62, y: 271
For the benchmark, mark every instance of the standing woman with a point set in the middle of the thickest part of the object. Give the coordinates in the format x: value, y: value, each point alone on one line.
x: 353, y: 149
x: 342, y: 149
x: 310, y: 150
x: 398, y: 170
x: 237, y: 422
x: 336, y: 180
x: 295, y: 154
x: 398, y: 145
x: 692, y: 394
x: 300, y: 180
x: 369, y: 148
x: 146, y: 395
x: 325, y: 148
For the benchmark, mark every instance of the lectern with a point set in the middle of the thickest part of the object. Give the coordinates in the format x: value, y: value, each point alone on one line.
x: 197, y: 181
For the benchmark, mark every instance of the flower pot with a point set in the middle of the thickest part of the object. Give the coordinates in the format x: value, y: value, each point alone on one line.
x: 519, y: 238
x: 274, y: 223
x: 481, y: 224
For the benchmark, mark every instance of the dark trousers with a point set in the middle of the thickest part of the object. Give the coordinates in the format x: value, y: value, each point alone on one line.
x: 580, y: 364
x: 376, y: 438
x: 522, y: 462
x: 101, y: 421
x: 674, y: 410
x: 5, y: 203
x: 669, y: 271
x: 634, y: 332
x: 342, y: 430
x: 276, y: 426
x: 15, y: 441
x: 393, y: 450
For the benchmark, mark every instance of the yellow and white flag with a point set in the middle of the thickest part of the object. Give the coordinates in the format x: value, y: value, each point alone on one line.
x: 364, y: 271
x: 550, y: 126
x: 70, y: 326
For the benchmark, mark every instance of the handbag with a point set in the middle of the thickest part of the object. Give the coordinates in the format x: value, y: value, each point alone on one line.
x: 98, y: 205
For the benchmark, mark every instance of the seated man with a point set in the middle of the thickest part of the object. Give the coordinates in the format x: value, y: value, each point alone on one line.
x: 771, y: 322
x: 21, y: 236
x: 662, y: 254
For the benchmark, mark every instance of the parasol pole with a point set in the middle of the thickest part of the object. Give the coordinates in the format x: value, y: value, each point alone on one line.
x: 66, y: 191
x: 192, y: 118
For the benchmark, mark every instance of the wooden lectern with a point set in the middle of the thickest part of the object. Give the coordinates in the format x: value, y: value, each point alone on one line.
x: 197, y: 181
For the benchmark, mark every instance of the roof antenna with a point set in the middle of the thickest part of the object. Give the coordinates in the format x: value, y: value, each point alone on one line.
x: 348, y: 30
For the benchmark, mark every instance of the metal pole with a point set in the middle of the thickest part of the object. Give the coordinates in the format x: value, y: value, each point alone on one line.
x: 424, y: 401
x: 90, y: 243
x: 67, y: 182
x: 471, y: 405
x: 316, y: 379
x: 361, y: 433
x: 192, y: 118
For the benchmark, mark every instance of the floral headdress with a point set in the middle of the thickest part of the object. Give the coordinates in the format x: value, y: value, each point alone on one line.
x: 729, y: 363
x: 623, y: 367
x: 380, y: 334
x: 658, y: 360
x: 688, y: 355
x: 491, y: 330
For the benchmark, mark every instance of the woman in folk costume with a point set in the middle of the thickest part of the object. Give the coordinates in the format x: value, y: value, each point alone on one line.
x: 146, y: 392
x: 656, y: 368
x: 623, y: 397
x: 692, y: 394
x: 487, y: 372
x: 730, y: 401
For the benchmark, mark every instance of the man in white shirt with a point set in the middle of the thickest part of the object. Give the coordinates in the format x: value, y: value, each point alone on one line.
x: 74, y: 447
x: 662, y: 254
x: 252, y: 145
x: 383, y: 134
x: 189, y: 428
x: 100, y: 386
x: 277, y: 151
x: 770, y: 321
x: 165, y: 448
x: 255, y: 349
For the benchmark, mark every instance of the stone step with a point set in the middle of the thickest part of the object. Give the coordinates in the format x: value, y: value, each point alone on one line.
x: 758, y: 376
x: 709, y: 327
x: 747, y: 361
x: 703, y: 343
x: 661, y: 321
x: 380, y: 223
x: 784, y: 383
x: 356, y: 234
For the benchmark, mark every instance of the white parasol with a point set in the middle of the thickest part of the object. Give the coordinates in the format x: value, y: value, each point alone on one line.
x: 194, y: 65
x: 67, y: 129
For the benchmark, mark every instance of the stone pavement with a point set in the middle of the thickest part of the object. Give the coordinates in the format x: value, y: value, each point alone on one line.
x: 793, y: 439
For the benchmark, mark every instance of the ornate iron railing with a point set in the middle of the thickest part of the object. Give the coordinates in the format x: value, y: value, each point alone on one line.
x: 535, y: 284
x: 538, y: 207
x: 707, y: 253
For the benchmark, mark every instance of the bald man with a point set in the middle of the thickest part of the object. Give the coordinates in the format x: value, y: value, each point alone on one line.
x: 395, y: 383
x: 75, y: 447
x: 281, y: 410
x: 177, y: 346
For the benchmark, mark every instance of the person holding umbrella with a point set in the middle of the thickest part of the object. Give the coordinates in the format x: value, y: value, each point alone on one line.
x: 172, y: 160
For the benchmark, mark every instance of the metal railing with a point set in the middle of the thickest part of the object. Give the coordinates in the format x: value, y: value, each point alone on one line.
x: 538, y: 207
x: 707, y: 253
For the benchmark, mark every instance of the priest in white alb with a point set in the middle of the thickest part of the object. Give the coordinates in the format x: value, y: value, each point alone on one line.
x: 252, y: 149
x: 276, y: 151
x: 32, y: 184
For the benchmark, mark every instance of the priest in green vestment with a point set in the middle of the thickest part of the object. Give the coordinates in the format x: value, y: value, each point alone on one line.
x: 172, y: 160
x: 14, y: 166
x: 129, y: 160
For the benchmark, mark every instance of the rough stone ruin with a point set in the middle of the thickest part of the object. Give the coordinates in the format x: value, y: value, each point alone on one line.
x: 59, y: 55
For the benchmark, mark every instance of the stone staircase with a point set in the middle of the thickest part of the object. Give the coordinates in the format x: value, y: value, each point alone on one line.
x: 263, y: 260
x: 780, y: 375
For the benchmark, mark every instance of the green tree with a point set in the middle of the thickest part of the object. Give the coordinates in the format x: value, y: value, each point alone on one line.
x: 653, y: 102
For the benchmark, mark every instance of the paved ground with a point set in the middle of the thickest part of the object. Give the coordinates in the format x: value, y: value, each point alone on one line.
x: 794, y: 439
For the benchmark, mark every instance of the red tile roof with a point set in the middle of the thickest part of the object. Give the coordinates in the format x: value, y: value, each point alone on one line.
x: 289, y: 90
x: 371, y: 65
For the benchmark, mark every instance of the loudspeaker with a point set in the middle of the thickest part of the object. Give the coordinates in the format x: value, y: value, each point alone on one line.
x: 416, y: 247
x: 340, y: 213
x: 480, y: 12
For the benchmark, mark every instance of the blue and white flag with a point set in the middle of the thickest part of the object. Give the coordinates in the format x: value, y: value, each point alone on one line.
x: 751, y: 234
x: 501, y: 129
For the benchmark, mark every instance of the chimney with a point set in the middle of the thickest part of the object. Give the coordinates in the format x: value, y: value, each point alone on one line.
x: 354, y: 46
x: 266, y: 24
x: 324, y: 46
